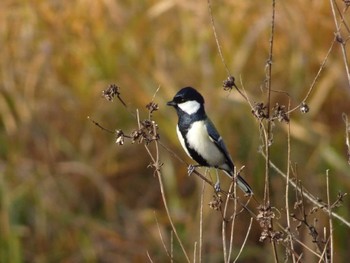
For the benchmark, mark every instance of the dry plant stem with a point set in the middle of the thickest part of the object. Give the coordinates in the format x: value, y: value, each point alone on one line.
x: 224, y: 223
x: 161, y: 236
x: 347, y: 135
x: 323, y: 64
x: 149, y: 257
x: 217, y: 39
x: 159, y: 175
x: 195, y: 252
x: 172, y: 246
x: 342, y: 43
x: 287, y: 189
x: 267, y: 138
x: 245, y: 239
x: 323, y: 255
x: 268, y: 87
x: 201, y: 224
x: 330, y: 219
x: 234, y: 214
x: 307, y: 248
x: 308, y: 196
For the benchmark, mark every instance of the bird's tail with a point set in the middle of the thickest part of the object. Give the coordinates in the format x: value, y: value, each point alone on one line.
x: 245, y: 187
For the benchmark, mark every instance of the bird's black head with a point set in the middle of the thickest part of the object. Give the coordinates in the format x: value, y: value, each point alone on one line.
x: 188, y: 99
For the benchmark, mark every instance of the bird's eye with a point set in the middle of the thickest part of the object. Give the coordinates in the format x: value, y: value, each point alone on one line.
x: 179, y: 99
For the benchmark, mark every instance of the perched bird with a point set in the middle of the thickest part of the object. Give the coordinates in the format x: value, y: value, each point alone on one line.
x: 199, y: 137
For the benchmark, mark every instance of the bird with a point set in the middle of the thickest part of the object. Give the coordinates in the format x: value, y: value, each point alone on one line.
x: 199, y: 137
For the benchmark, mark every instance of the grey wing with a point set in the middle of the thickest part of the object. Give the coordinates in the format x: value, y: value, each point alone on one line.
x: 217, y: 139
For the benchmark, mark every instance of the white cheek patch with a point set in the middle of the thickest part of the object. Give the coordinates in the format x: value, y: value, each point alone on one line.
x: 190, y: 106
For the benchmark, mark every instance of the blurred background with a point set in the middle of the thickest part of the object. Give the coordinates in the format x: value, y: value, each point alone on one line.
x: 68, y: 193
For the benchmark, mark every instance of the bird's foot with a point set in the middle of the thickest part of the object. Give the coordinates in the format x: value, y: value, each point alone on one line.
x: 217, y: 187
x: 190, y: 169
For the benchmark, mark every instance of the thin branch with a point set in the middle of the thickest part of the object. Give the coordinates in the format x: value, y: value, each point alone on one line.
x: 217, y: 39
x: 157, y: 169
x: 234, y: 214
x: 308, y: 196
x: 99, y: 125
x: 161, y: 236
x: 313, y: 84
x: 340, y: 39
x: 224, y: 223
x: 268, y: 86
x: 195, y: 252
x: 149, y: 257
x: 201, y: 224
x: 287, y: 188
x: 245, y: 239
x: 347, y: 136
x: 330, y: 219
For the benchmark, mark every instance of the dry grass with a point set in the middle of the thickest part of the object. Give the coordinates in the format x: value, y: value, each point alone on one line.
x: 69, y: 194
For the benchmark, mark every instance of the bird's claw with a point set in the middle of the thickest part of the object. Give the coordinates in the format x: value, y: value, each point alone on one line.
x: 190, y: 169
x: 217, y: 187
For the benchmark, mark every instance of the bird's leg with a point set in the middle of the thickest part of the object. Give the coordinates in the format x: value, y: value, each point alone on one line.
x: 217, y: 184
x: 191, y: 168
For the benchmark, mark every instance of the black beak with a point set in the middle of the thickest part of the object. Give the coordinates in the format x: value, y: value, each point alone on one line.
x: 171, y: 103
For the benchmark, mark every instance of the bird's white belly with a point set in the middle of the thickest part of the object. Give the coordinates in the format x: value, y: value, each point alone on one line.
x: 200, y: 141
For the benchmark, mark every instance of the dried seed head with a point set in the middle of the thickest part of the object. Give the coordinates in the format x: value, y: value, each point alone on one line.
x: 259, y: 110
x: 229, y: 83
x: 111, y: 92
x: 152, y: 106
x: 119, y: 137
x: 216, y: 202
x: 280, y: 113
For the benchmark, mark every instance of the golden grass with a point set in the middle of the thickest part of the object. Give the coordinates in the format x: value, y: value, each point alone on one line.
x: 69, y: 194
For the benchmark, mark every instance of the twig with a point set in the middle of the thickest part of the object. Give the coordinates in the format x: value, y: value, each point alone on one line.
x: 98, y: 125
x: 161, y: 236
x: 217, y: 39
x: 330, y: 218
x: 308, y: 196
x: 172, y: 246
x: 347, y: 135
x: 157, y: 169
x: 287, y: 188
x: 268, y: 86
x: 313, y: 84
x: 224, y: 223
x: 195, y: 252
x: 324, y: 251
x: 340, y: 39
x: 149, y: 257
x: 234, y: 184
x: 245, y: 239
x: 201, y: 224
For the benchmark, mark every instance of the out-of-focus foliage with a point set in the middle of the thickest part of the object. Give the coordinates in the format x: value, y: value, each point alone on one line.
x: 68, y: 193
